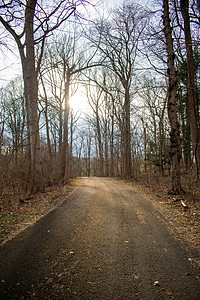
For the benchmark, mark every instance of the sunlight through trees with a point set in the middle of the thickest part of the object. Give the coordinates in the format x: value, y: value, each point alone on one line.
x: 103, y: 92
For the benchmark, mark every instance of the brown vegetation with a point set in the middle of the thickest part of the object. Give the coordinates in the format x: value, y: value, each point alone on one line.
x: 17, y: 211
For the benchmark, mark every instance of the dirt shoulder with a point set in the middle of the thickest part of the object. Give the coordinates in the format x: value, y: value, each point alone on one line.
x: 19, y: 212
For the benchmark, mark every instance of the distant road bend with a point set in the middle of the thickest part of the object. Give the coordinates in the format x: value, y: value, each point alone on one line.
x: 105, y: 242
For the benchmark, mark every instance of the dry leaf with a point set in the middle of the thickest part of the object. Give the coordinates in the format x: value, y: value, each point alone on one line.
x: 156, y: 283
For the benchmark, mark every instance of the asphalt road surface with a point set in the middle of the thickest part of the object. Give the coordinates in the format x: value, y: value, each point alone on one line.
x: 105, y: 242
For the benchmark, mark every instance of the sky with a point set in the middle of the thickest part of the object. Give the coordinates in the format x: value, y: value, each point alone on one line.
x: 10, y: 65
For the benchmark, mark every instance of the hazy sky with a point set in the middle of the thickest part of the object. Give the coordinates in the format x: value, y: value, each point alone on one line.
x: 114, y: 3
x: 10, y: 65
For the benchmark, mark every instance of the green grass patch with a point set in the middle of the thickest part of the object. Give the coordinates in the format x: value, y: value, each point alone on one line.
x: 5, y: 217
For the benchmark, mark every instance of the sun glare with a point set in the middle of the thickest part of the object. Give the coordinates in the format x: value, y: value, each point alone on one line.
x: 78, y: 102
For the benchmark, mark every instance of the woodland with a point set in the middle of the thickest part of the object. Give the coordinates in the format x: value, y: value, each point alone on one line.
x: 138, y: 68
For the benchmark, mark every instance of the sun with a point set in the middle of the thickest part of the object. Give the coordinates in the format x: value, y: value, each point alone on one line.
x: 78, y: 103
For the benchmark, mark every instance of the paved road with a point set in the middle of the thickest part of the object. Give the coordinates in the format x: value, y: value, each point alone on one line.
x: 105, y: 242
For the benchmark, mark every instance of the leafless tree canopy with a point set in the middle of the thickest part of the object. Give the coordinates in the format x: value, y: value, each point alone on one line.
x: 138, y: 71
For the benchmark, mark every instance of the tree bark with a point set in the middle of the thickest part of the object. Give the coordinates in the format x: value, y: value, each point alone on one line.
x: 65, y: 145
x: 161, y: 137
x: 172, y: 103
x: 27, y: 55
x: 60, y: 128
x: 145, y: 144
x: 89, y: 140
x: 128, y: 161
x: 31, y: 95
x: 99, y: 143
x: 192, y: 90
x: 46, y: 119
x: 106, y: 153
x: 112, y: 147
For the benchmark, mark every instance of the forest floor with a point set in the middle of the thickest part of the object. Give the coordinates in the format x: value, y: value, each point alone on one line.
x: 181, y: 212
x: 18, y: 212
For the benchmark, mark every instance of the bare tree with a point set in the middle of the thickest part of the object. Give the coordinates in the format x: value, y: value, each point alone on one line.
x: 45, y: 108
x: 95, y: 99
x: 192, y: 90
x: 153, y: 116
x: 172, y: 103
x: 29, y: 23
x: 118, y: 42
x: 2, y: 119
x: 68, y: 60
x: 14, y: 103
x: 74, y: 118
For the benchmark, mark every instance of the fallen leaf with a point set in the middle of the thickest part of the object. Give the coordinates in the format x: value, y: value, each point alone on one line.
x: 190, y: 259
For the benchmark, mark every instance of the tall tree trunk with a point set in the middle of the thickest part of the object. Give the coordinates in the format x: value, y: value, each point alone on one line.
x: 145, y: 144
x: 89, y: 156
x: 46, y: 119
x: 2, y: 133
x: 192, y: 90
x: 65, y: 145
x: 31, y: 95
x: 185, y: 128
x: 60, y: 128
x: 161, y: 137
x: 71, y: 144
x: 161, y: 146
x: 106, y: 153
x: 100, y: 148
x: 121, y: 149
x: 172, y: 103
x: 128, y: 161
x: 112, y: 147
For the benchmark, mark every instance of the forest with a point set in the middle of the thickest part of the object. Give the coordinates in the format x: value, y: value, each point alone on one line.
x: 134, y: 70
